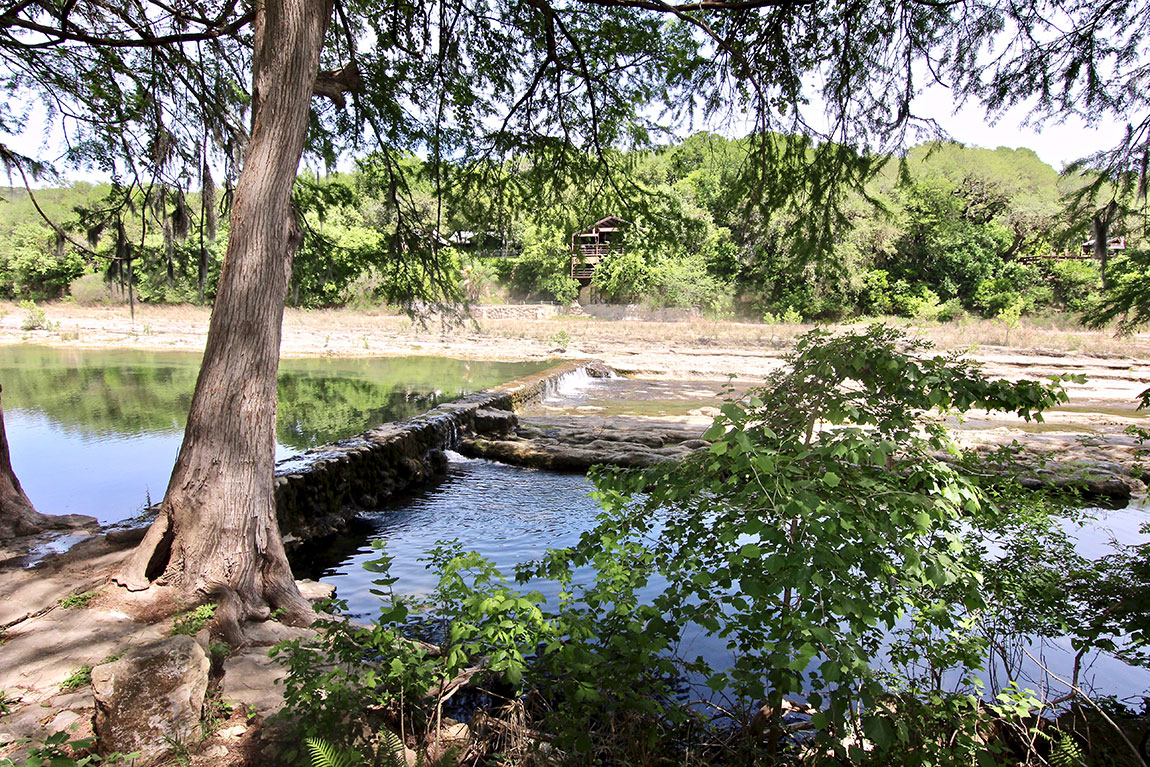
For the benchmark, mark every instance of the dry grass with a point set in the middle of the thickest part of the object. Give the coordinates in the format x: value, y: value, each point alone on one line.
x: 322, y: 331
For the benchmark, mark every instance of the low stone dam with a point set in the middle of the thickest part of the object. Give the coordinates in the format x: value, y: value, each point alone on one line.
x: 319, y: 491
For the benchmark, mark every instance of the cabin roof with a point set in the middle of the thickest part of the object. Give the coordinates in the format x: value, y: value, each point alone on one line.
x: 609, y: 224
x: 1113, y: 243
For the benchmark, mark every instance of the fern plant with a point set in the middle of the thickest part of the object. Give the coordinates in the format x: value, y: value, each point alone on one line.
x: 324, y: 754
x: 1066, y: 752
x: 389, y: 752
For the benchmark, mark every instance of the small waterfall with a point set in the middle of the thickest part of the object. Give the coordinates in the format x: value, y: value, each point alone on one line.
x: 320, y: 490
x: 445, y: 425
x: 568, y: 385
x: 451, y: 439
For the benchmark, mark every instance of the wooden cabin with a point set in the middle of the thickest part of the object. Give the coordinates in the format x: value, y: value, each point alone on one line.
x: 591, y: 245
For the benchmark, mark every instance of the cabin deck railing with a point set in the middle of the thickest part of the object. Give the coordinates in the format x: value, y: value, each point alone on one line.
x: 584, y: 258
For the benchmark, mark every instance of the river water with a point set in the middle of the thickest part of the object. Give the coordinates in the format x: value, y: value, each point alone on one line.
x: 97, y: 432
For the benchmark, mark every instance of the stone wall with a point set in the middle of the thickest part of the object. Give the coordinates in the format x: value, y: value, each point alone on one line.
x: 319, y: 491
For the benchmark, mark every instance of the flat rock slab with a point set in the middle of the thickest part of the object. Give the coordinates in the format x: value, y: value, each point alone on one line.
x: 251, y: 678
x: 41, y: 653
x: 251, y: 682
x: 577, y: 443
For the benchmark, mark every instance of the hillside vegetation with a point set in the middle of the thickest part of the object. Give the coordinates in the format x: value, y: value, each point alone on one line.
x: 947, y: 230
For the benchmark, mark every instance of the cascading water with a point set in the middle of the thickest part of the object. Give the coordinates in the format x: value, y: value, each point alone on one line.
x: 572, y: 384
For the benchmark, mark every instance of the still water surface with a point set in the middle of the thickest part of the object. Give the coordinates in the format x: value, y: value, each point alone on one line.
x: 97, y: 432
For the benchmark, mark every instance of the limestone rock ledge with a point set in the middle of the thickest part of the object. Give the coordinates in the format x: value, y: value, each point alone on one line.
x: 578, y: 443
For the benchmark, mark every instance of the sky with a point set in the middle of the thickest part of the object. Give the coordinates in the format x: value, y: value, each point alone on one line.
x: 1055, y: 144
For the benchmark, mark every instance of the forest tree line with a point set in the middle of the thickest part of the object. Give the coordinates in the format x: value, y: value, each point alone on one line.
x: 947, y: 230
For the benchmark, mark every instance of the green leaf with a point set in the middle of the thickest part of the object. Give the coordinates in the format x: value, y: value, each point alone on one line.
x: 830, y: 479
x: 878, y: 730
x: 718, y: 682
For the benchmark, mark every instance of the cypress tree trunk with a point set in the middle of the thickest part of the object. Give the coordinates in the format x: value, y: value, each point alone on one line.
x: 216, y: 535
x: 17, y: 516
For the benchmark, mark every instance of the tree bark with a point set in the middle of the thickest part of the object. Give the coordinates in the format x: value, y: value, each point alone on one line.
x: 17, y: 515
x: 216, y: 535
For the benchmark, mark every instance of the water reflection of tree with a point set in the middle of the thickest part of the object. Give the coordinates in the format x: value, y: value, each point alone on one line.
x: 314, y: 410
x: 125, y: 394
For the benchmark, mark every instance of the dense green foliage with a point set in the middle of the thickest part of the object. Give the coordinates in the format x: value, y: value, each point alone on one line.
x: 948, y: 230
x: 61, y: 750
x: 820, y: 536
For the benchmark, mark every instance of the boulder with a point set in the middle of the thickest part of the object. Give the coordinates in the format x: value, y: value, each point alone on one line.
x: 314, y: 591
x: 151, y: 699
x: 251, y: 681
x: 491, y: 421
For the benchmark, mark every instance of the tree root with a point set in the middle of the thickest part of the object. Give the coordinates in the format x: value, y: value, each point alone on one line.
x: 252, y: 596
x: 23, y: 522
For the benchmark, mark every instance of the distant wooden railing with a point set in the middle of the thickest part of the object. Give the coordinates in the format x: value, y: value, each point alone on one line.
x: 584, y: 258
x: 1065, y: 256
x: 598, y: 250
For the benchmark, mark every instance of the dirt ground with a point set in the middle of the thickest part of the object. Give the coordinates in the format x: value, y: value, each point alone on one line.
x: 683, y: 358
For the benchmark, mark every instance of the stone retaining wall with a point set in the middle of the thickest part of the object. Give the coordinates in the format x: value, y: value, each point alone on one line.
x: 319, y: 491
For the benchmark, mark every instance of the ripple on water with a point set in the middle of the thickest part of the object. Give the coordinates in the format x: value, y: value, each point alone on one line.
x: 507, y: 513
x: 511, y: 514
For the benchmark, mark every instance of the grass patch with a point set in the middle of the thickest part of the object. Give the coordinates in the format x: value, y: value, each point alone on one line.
x: 189, y: 623
x: 7, y: 703
x: 81, y: 677
x: 79, y: 601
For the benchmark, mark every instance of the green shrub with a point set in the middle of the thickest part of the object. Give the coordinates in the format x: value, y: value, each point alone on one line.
x: 38, y: 264
x: 35, y: 319
x: 834, y: 535
x: 682, y: 280
x: 950, y: 311
x: 623, y: 276
x: 994, y: 295
x: 543, y: 267
x: 921, y: 305
x: 876, y: 298
x: 1073, y: 282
